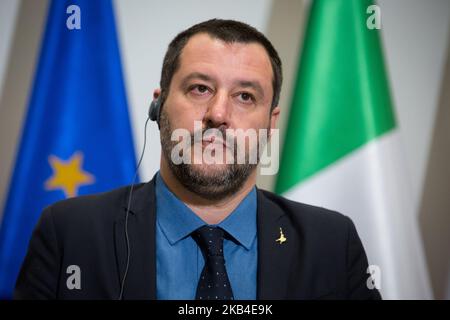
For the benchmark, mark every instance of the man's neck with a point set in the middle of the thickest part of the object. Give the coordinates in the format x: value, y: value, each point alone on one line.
x: 210, y: 211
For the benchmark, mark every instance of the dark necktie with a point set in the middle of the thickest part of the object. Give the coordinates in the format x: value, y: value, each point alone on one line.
x: 213, y: 283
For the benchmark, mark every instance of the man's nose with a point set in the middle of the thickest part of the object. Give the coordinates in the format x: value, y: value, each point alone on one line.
x: 218, y: 112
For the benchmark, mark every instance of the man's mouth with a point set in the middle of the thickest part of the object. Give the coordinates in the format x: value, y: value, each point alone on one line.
x: 217, y: 141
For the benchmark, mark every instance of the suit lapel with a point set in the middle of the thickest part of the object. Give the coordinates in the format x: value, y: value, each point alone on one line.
x: 275, y: 258
x: 140, y: 281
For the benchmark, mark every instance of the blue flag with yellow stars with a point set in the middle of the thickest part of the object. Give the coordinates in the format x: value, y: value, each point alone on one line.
x: 76, y: 137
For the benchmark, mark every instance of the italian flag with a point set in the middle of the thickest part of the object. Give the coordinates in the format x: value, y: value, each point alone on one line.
x: 342, y: 145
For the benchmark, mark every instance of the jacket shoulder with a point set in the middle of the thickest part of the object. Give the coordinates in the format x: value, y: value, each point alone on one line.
x: 88, y: 209
x: 307, y: 214
x: 112, y: 197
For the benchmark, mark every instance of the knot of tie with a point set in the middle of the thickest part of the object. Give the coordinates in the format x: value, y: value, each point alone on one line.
x: 210, y: 240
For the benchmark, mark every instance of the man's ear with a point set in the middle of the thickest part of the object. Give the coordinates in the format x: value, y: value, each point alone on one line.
x: 274, y: 115
x: 156, y: 93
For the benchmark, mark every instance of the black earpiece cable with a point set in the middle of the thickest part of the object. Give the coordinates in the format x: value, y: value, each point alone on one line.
x: 122, y: 285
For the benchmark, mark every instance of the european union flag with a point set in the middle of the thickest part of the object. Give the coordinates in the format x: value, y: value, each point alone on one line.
x: 76, y: 137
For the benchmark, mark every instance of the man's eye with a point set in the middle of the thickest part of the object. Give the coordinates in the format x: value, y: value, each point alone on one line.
x: 199, y: 89
x: 246, y: 97
x: 202, y: 88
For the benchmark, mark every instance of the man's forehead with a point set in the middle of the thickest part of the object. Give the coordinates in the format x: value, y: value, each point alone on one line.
x: 202, y: 45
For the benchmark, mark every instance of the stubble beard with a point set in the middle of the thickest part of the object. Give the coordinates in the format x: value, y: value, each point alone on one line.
x: 216, y: 183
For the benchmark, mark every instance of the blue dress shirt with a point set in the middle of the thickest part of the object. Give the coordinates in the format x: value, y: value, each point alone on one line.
x: 179, y: 261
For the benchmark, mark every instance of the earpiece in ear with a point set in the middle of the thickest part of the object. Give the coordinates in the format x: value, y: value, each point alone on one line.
x: 153, y: 111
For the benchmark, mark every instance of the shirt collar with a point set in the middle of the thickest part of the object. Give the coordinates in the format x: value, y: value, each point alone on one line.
x: 178, y: 221
x: 241, y: 223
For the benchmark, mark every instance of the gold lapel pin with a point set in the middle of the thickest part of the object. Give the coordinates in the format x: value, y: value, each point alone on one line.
x: 282, y: 238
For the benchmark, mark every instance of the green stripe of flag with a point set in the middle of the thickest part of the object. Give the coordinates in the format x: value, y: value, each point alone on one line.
x: 341, y: 98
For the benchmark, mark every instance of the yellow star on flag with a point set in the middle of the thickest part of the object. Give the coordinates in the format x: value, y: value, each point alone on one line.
x: 68, y: 175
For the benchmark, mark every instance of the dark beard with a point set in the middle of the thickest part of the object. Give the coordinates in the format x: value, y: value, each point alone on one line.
x: 215, y: 186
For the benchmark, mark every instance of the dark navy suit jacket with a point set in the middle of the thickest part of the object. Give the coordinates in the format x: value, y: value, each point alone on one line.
x: 322, y: 257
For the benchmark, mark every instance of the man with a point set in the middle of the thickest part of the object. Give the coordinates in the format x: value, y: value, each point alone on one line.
x: 200, y: 230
